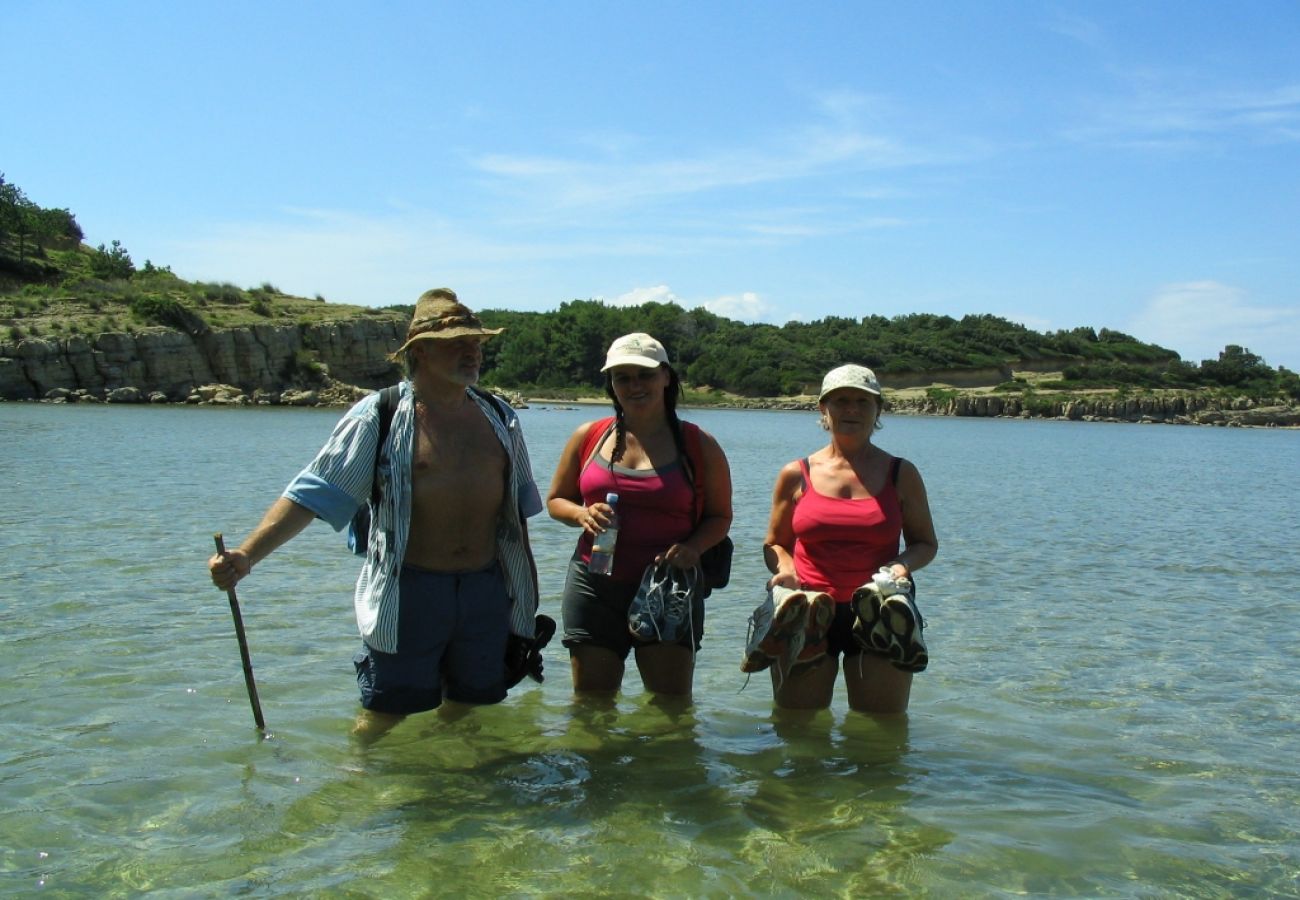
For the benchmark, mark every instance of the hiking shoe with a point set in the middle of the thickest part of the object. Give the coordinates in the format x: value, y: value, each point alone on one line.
x: 817, y: 629
x: 867, y: 601
x: 678, y: 594
x: 661, y: 609
x: 900, y: 617
x: 888, y: 623
x: 785, y: 638
x: 645, y: 617
x: 760, y: 623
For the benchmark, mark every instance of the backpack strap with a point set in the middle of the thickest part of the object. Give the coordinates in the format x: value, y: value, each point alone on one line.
x: 595, y: 434
x: 694, y: 463
x: 388, y: 398
x: 894, y: 465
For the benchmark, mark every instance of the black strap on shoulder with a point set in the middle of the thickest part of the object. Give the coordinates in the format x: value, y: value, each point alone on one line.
x: 894, y: 465
x: 388, y: 398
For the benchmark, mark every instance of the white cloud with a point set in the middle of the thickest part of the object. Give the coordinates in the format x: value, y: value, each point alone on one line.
x: 1200, y: 318
x: 746, y: 307
x: 660, y: 293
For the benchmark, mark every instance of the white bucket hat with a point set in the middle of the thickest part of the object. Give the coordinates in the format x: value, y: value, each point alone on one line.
x: 859, y: 378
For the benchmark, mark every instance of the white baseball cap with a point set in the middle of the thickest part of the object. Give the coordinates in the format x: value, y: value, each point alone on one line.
x: 636, y: 349
x: 859, y: 378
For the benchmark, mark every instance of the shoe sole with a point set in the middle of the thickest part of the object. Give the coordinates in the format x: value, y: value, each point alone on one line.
x: 787, y: 624
x: 821, y: 613
x: 889, y: 626
x: 900, y: 619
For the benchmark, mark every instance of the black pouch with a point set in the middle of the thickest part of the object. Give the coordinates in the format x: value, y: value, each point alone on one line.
x: 524, y: 655
x: 715, y: 563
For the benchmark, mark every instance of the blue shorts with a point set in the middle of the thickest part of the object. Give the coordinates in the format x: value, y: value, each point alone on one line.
x: 451, y: 640
x: 595, y: 611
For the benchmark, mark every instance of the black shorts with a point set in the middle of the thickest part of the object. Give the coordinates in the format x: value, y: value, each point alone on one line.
x: 451, y: 640
x: 840, y: 640
x: 595, y: 613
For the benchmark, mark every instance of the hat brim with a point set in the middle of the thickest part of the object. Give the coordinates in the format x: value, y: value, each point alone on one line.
x: 631, y: 361
x: 459, y: 331
x: 848, y: 387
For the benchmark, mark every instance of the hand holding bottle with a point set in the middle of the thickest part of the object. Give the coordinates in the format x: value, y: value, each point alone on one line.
x: 605, y: 539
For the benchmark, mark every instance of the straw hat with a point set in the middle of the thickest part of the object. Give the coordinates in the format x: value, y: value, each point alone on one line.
x: 439, y: 315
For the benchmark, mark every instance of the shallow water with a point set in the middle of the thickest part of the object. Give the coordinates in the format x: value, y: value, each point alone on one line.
x: 1109, y: 709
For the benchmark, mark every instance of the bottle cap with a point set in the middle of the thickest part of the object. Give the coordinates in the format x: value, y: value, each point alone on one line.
x: 611, y: 498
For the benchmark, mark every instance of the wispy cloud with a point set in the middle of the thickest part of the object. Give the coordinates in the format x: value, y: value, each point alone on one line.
x: 608, y: 173
x: 1165, y: 117
x: 1077, y: 28
x: 1200, y: 318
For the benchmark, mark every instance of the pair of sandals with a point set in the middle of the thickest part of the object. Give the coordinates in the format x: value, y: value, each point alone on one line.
x: 792, y: 626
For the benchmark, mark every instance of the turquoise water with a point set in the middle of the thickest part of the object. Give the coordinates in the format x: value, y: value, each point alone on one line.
x: 1109, y: 711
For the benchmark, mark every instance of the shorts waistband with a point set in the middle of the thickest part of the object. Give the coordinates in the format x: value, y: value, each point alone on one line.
x: 421, y: 570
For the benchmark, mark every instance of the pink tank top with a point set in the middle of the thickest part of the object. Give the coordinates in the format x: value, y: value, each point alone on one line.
x: 840, y: 542
x: 655, y: 509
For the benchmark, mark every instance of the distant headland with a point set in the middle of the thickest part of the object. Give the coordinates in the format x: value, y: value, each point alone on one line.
x: 81, y: 324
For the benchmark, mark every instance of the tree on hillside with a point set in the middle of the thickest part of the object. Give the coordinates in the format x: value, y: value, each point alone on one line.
x: 113, y: 262
x: 15, y: 215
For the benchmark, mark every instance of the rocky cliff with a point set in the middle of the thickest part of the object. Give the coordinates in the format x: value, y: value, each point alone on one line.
x: 1179, y: 408
x: 171, y: 365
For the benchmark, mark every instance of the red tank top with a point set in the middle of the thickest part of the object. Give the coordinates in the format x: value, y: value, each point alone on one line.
x: 840, y: 542
x: 655, y: 509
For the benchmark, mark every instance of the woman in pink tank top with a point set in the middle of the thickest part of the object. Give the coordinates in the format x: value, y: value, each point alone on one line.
x: 640, y: 455
x: 837, y: 519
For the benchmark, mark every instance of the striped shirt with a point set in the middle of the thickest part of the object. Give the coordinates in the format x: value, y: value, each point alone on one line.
x: 338, y: 481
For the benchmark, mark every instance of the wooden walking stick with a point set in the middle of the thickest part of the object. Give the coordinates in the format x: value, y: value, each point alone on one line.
x: 243, y: 644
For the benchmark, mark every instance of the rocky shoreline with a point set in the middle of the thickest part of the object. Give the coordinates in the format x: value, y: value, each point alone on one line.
x: 1167, y: 408
x: 337, y: 363
x: 1171, y: 409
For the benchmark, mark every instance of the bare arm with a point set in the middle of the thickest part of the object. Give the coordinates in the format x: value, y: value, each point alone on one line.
x: 284, y: 520
x: 778, y: 546
x: 920, y: 545
x: 564, y: 499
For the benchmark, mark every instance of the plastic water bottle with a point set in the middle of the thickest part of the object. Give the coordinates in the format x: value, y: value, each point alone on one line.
x: 602, y: 546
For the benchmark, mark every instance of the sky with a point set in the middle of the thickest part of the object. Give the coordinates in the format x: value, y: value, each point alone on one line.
x: 1132, y: 166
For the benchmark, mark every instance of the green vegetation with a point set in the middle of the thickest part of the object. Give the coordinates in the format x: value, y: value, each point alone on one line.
x: 52, y: 284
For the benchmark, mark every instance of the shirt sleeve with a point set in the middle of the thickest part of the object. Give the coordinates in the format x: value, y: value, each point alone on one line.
x: 337, y: 481
x: 530, y: 501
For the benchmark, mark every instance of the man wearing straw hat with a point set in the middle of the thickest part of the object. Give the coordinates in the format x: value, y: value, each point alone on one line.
x: 448, y: 572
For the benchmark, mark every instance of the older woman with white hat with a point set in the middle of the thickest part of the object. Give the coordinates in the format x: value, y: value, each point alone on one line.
x: 841, y: 582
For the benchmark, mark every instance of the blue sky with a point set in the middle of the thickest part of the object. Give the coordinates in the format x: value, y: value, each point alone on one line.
x: 1134, y: 166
